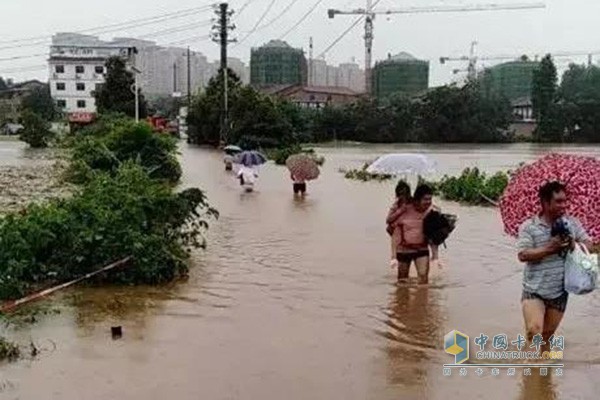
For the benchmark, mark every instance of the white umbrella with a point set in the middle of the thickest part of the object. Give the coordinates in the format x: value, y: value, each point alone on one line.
x: 409, y: 166
x: 402, y: 164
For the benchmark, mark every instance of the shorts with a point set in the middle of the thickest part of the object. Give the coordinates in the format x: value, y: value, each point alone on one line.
x: 299, y: 188
x: 559, y: 304
x: 409, y: 257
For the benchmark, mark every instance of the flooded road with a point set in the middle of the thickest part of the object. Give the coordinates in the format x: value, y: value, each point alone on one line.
x: 294, y: 299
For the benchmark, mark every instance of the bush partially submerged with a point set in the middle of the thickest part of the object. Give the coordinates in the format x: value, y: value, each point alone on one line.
x: 473, y: 186
x: 362, y: 174
x: 116, y: 214
x: 127, y: 141
x: 8, y: 350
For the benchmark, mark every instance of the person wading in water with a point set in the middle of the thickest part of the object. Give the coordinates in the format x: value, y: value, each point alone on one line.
x: 542, y: 242
x: 405, y: 221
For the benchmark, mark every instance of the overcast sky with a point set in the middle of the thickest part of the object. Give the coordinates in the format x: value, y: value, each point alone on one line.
x: 565, y: 25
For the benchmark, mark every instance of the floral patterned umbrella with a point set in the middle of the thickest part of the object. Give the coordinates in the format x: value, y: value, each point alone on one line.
x: 303, y: 166
x: 580, y: 174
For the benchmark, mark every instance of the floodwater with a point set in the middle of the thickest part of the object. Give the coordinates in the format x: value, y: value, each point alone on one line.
x: 294, y: 299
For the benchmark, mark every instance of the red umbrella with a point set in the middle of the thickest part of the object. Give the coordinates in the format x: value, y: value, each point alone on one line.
x: 303, y: 167
x: 581, y: 175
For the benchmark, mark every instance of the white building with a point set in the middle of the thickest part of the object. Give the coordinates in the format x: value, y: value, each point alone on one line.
x: 76, y: 66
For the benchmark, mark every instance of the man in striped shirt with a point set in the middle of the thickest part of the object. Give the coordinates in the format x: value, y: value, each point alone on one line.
x: 544, y: 297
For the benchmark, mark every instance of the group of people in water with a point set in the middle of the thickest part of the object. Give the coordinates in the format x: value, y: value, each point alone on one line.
x: 416, y: 228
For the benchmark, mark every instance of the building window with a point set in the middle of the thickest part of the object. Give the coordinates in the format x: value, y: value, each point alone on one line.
x: 61, y: 103
x: 80, y: 86
x: 60, y: 69
x: 80, y: 103
x: 99, y: 69
x: 79, y: 69
x: 61, y: 86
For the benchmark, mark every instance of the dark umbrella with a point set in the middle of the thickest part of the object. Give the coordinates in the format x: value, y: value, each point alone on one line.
x: 250, y: 158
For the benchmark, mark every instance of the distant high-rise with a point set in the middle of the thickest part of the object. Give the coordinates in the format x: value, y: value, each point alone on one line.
x: 277, y: 63
x: 402, y: 73
x: 512, y: 80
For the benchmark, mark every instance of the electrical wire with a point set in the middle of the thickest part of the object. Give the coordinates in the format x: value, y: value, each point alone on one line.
x: 306, y: 15
x: 255, y: 27
x: 200, y: 38
x: 169, y: 31
x: 350, y: 28
x: 281, y: 14
x: 243, y: 7
x: 109, y: 28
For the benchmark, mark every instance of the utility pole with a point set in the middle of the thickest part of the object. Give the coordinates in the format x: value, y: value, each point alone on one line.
x: 189, y: 80
x: 310, y: 63
x: 174, y: 77
x: 369, y: 17
x: 221, y: 36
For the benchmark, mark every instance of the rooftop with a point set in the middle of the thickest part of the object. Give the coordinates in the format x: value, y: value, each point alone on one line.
x: 278, y: 43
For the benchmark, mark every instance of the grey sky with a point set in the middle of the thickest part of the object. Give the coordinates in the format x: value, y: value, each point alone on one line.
x: 563, y: 25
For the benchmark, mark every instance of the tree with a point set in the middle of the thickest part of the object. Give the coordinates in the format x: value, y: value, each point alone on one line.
x: 165, y: 106
x: 461, y: 115
x: 40, y: 102
x: 543, y: 98
x: 204, y: 119
x: 579, y: 95
x: 116, y: 94
x: 36, y: 130
x: 3, y: 84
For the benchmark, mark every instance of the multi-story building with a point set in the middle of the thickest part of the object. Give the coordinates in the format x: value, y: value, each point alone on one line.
x: 163, y: 70
x: 402, y: 73
x: 318, y: 73
x: 76, y: 69
x: 277, y: 63
x: 351, y: 76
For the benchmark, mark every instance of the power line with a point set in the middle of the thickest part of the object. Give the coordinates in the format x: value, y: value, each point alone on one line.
x: 310, y: 11
x: 260, y: 20
x: 243, y: 7
x: 200, y: 38
x: 339, y: 38
x: 23, y: 57
x: 169, y: 31
x: 281, y: 14
x: 109, y: 28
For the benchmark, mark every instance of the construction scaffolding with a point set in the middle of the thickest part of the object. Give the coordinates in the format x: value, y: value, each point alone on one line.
x: 277, y: 63
x: 402, y: 73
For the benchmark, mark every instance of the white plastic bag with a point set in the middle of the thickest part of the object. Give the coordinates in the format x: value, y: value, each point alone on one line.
x: 581, y: 270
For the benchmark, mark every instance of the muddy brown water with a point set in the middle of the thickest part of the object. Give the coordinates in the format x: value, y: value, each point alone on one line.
x: 294, y: 299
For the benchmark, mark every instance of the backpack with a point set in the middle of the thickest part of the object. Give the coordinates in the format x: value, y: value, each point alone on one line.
x: 437, y: 227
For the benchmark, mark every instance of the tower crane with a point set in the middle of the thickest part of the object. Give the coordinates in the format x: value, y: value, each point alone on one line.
x: 472, y: 58
x: 369, y: 14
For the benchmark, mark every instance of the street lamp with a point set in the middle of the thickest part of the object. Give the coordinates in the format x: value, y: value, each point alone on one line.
x: 136, y: 91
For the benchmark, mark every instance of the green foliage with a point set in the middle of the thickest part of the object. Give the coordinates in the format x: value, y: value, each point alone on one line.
x: 362, y: 175
x: 544, y: 99
x: 9, y: 350
x: 165, y: 106
x: 445, y: 114
x: 40, y: 102
x: 256, y: 120
x: 579, y: 103
x: 204, y: 119
x: 115, y: 95
x: 459, y: 115
x: 106, y: 151
x: 473, y: 186
x: 111, y: 217
x: 36, y: 132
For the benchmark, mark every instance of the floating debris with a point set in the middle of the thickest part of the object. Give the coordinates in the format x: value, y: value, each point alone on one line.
x: 117, y: 332
x: 25, y: 184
